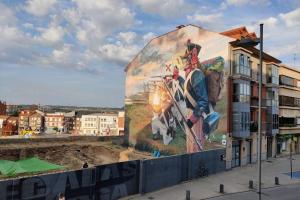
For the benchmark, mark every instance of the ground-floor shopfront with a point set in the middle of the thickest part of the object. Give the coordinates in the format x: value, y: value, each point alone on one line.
x: 288, y: 143
x: 245, y: 151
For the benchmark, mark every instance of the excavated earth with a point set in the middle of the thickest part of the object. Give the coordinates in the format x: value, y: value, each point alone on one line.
x: 69, y: 152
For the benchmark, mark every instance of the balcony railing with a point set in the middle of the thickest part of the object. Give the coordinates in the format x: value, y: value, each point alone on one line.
x: 254, y: 75
x: 254, y: 102
x: 254, y: 126
x: 288, y: 125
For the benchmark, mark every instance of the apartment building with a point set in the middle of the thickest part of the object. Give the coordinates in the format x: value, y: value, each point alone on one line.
x: 70, y: 122
x: 36, y: 122
x: 55, y: 122
x: 10, y: 126
x: 12, y: 109
x: 289, y: 110
x: 103, y: 124
x: 243, y: 101
x: 23, y: 120
x: 77, y: 123
x: 2, y: 119
x: 2, y: 108
x: 231, y: 72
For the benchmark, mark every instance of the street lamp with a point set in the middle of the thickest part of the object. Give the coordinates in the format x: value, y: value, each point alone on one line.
x: 248, y: 42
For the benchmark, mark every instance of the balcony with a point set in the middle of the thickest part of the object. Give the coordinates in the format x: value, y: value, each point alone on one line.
x: 254, y: 75
x: 253, y: 126
x: 254, y: 102
x: 287, y: 129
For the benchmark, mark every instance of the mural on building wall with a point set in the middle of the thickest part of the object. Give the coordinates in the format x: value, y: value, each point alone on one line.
x: 175, y: 93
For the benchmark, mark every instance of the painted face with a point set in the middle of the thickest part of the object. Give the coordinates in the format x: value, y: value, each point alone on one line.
x: 176, y: 71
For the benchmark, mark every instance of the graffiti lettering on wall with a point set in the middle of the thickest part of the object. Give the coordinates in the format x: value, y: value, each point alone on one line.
x: 105, y: 182
x: 181, y: 77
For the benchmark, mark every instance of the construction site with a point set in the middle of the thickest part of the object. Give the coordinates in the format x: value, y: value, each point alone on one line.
x: 70, y: 152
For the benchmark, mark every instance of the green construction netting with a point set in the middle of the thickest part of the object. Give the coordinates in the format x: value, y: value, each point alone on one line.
x: 29, y: 165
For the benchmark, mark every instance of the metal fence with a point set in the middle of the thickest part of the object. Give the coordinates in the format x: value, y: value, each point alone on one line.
x: 113, y: 181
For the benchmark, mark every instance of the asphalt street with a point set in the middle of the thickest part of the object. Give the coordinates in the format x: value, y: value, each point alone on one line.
x: 287, y: 192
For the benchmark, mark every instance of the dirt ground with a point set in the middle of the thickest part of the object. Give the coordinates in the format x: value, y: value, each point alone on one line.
x: 71, y: 154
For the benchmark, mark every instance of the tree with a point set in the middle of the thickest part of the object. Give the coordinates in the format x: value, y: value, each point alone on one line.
x: 56, y: 129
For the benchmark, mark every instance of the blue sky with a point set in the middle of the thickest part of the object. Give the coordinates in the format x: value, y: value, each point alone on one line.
x: 74, y: 52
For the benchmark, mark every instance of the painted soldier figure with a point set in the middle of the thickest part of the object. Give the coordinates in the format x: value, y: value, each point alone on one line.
x: 196, y: 98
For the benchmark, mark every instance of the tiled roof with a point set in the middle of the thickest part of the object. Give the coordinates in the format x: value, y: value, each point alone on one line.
x: 239, y: 32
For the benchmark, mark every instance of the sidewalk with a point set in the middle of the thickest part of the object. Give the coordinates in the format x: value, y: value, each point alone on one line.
x: 235, y: 180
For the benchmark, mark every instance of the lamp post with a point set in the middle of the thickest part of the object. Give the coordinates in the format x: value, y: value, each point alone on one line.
x: 248, y: 42
x: 259, y: 107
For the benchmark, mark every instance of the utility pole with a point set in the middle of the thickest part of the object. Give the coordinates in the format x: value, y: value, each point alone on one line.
x: 291, y: 159
x: 259, y: 107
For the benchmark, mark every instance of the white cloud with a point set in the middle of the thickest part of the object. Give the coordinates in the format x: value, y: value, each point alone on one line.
x: 95, y: 20
x: 118, y: 53
x: 270, y: 24
x: 7, y: 16
x: 246, y: 2
x: 81, y: 35
x: 291, y: 18
x: 271, y: 21
x: 28, y: 25
x: 39, y: 7
x: 127, y: 37
x: 205, y: 19
x: 165, y: 8
x: 52, y: 34
x: 148, y: 36
x: 287, y: 49
x: 281, y: 40
x: 63, y: 54
x: 72, y: 15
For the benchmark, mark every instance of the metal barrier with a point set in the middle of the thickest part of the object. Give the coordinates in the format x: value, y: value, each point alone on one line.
x: 113, y: 181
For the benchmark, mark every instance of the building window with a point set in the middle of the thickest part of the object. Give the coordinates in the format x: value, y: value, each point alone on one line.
x: 285, y: 80
x: 241, y: 92
x: 242, y: 64
x: 287, y: 122
x: 241, y: 121
x: 298, y: 84
x: 298, y: 121
x: 275, y: 121
x: 297, y: 102
x: 289, y: 101
x: 272, y: 74
x: 272, y: 98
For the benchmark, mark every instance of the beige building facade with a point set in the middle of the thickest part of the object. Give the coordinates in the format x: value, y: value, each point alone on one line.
x: 102, y: 124
x: 289, y: 115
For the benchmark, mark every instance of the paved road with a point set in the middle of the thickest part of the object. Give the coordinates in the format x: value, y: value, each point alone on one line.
x: 235, y: 180
x: 288, y: 192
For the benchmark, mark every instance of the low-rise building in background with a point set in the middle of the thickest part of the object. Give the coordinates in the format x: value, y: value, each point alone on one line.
x: 36, y: 122
x: 102, y: 124
x: 2, y: 119
x: 2, y: 108
x: 54, y: 122
x: 23, y: 120
x: 10, y: 126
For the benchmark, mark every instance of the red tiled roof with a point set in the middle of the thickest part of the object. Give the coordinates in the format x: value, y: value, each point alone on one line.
x: 238, y: 33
